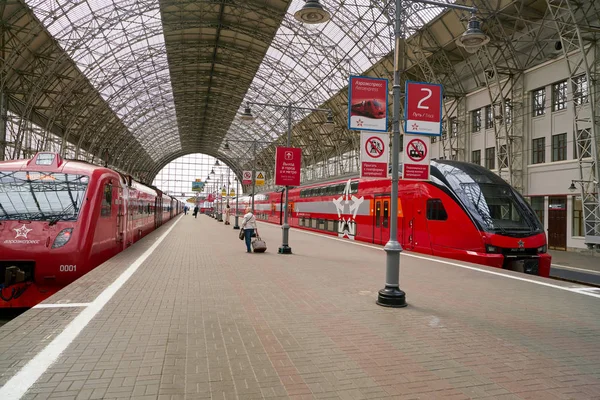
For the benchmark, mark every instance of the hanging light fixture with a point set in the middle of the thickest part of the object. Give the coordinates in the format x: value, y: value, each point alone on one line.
x: 227, y: 145
x: 572, y: 188
x: 212, y: 171
x: 247, y: 116
x: 312, y: 13
x: 473, y: 38
x: 217, y: 163
x: 329, y: 125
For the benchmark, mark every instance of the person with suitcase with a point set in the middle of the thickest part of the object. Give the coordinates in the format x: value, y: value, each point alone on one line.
x: 248, y: 227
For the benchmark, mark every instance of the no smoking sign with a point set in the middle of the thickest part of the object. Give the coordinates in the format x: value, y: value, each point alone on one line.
x: 416, y: 157
x: 374, y: 155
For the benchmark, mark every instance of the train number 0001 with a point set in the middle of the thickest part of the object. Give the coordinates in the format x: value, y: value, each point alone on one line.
x: 68, y: 268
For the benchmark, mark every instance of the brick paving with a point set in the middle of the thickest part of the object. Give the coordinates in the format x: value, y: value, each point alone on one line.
x: 202, y: 319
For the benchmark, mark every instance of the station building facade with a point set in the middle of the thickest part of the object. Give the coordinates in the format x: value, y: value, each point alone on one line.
x: 549, y: 158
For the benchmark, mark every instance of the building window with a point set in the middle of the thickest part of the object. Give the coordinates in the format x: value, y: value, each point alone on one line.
x: 489, y: 118
x: 559, y: 147
x: 507, y: 112
x: 539, y: 102
x: 559, y: 96
x: 577, y: 217
x: 490, y: 158
x: 584, y: 144
x: 580, y: 90
x: 538, y: 148
x: 537, y: 204
x: 436, y: 210
x: 453, y: 127
x: 476, y: 157
x: 503, y: 157
x: 476, y: 119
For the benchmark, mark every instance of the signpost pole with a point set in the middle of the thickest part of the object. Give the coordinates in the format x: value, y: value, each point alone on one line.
x: 391, y: 295
x: 237, y: 196
x: 285, y: 248
x: 253, y: 173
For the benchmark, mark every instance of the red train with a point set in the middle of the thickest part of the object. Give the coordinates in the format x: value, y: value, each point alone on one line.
x: 464, y: 212
x: 59, y: 219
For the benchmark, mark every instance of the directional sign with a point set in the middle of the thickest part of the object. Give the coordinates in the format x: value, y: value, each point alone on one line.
x: 423, y: 109
x: 288, y: 161
x: 416, y: 157
x: 247, y: 178
x: 374, y: 155
x: 260, y: 178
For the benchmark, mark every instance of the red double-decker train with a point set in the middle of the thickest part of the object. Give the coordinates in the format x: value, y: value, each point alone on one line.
x: 60, y: 218
x: 464, y: 212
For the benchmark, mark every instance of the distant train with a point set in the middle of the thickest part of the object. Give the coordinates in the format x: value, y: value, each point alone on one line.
x: 464, y: 212
x: 59, y: 219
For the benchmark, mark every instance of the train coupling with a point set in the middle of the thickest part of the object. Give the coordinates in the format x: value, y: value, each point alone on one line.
x: 13, y: 275
x: 525, y: 265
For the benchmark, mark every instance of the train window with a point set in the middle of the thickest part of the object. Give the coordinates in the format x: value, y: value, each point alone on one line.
x: 354, y: 187
x: 386, y: 213
x: 436, y: 210
x: 377, y: 214
x: 106, y: 208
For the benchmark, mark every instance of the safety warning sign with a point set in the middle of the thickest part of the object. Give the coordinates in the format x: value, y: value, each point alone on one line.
x: 374, y: 155
x: 260, y: 178
x: 416, y: 157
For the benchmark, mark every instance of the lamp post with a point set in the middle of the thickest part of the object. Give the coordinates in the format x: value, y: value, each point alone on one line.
x: 247, y: 116
x: 471, y: 40
x: 237, y: 196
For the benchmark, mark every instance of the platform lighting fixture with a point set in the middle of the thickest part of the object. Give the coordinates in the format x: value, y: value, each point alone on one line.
x: 217, y: 163
x: 312, y: 13
x: 212, y: 171
x: 247, y: 116
x: 473, y: 38
x: 572, y: 188
x: 227, y: 145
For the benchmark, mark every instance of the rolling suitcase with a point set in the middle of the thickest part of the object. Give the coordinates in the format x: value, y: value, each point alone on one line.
x: 259, y: 245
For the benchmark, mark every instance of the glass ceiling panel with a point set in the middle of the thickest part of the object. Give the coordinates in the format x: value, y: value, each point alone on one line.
x: 307, y: 64
x: 119, y: 47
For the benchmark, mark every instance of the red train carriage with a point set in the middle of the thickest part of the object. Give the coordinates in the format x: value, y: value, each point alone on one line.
x: 59, y: 219
x: 464, y: 212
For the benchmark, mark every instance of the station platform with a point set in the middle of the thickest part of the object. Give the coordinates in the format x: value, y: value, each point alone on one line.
x: 186, y: 313
x: 582, y: 267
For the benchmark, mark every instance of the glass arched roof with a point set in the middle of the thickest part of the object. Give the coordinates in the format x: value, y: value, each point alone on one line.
x: 155, y: 80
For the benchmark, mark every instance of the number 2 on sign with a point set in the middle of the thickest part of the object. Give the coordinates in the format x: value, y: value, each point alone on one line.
x: 420, y: 104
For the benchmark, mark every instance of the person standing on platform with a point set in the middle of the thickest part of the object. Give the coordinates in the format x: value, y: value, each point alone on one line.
x: 248, y: 226
x: 185, y: 209
x: 196, y: 212
x: 227, y: 214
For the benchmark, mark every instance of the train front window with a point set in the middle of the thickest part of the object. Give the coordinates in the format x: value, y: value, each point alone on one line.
x: 498, y: 208
x: 41, y: 196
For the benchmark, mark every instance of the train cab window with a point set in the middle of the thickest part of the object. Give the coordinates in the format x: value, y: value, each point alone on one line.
x: 106, y: 208
x: 354, y: 187
x: 436, y: 210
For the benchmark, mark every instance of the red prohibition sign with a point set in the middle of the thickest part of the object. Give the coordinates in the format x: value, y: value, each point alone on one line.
x: 417, y: 150
x: 374, y: 147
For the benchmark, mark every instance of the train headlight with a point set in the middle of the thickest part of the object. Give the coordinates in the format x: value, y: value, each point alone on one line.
x: 542, y: 249
x: 492, y: 249
x: 62, y: 238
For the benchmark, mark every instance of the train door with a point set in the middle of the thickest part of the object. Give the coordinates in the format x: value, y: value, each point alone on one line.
x: 557, y: 223
x: 157, y: 211
x: 408, y: 222
x: 381, y: 221
x: 120, y: 230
